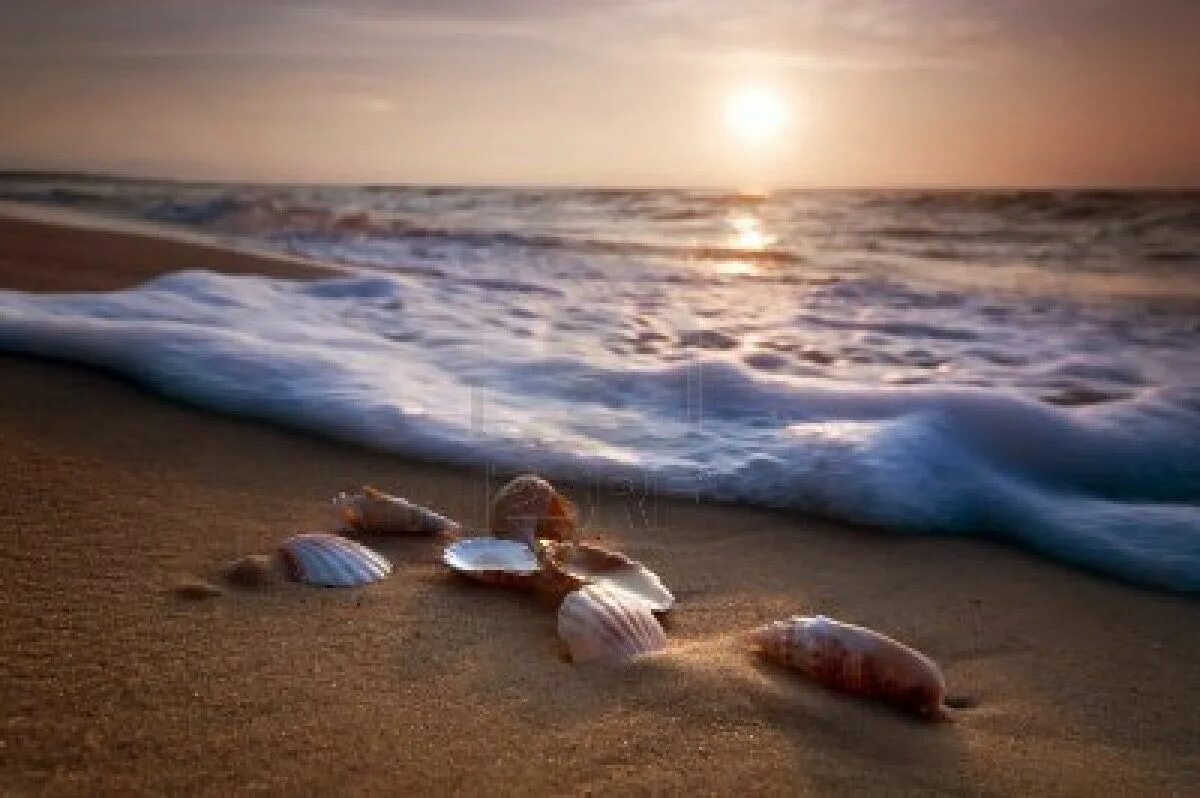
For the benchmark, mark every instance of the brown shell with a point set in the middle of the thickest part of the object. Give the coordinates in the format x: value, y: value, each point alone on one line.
x: 857, y: 661
x: 253, y: 570
x: 375, y: 512
x: 608, y: 626
x: 529, y: 508
x: 577, y: 564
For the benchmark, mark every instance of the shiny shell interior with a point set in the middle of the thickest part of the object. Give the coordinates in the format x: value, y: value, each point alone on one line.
x: 594, y: 565
x: 495, y: 560
x: 317, y: 558
x: 599, y: 624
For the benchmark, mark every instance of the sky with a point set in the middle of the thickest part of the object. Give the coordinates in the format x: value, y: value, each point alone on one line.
x: 607, y: 92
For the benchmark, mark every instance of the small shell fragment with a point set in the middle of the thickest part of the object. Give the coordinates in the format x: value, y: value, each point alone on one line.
x: 328, y: 560
x: 583, y: 563
x: 529, y: 508
x: 376, y: 512
x: 253, y: 571
x: 608, y: 626
x: 857, y: 661
x: 196, y: 590
x: 508, y: 563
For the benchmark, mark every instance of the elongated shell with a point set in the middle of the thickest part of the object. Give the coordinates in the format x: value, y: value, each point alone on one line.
x: 376, y: 512
x: 529, y: 508
x: 856, y: 660
x: 583, y: 563
x: 609, y: 626
x: 332, y: 561
x: 495, y: 561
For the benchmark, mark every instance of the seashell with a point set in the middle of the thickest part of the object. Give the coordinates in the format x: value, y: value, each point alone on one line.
x: 196, y: 590
x: 582, y: 563
x: 327, y: 560
x: 856, y: 660
x: 374, y: 511
x: 495, y: 561
x: 529, y: 508
x: 599, y: 624
x: 253, y: 570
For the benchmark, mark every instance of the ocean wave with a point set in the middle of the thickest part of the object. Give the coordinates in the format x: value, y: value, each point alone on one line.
x: 394, y: 362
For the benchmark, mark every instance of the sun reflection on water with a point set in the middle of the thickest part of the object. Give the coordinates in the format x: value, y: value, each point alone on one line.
x: 749, y: 236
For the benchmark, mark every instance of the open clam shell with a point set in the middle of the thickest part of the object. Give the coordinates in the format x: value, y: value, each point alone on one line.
x: 495, y: 561
x: 599, y: 624
x: 376, y: 512
x: 529, y: 508
x: 583, y: 563
x: 317, y: 558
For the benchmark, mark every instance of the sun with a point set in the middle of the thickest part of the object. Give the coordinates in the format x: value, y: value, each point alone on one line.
x: 756, y: 114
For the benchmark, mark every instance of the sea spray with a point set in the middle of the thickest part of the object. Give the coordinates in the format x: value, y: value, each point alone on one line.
x: 440, y: 367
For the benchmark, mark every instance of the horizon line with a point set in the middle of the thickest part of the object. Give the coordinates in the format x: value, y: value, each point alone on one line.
x: 142, y: 177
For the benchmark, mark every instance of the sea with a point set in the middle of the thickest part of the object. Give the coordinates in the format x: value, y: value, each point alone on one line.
x: 1021, y: 366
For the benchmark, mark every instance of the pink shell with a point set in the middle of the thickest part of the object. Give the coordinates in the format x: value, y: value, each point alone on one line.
x: 609, y: 626
x: 583, y: 563
x: 857, y: 661
x: 376, y: 512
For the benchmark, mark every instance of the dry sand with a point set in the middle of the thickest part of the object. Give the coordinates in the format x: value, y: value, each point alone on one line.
x: 110, y: 682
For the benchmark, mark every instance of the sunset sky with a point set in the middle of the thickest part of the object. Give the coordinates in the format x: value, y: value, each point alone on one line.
x: 657, y: 92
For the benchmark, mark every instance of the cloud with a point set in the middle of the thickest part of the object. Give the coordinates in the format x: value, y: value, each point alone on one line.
x: 829, y: 34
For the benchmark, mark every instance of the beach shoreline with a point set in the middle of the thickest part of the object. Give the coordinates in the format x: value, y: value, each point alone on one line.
x: 112, y: 683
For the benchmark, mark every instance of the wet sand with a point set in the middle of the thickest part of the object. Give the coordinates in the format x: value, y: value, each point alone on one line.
x: 110, y: 682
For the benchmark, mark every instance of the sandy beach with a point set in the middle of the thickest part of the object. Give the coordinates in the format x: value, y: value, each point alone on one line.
x: 111, y: 683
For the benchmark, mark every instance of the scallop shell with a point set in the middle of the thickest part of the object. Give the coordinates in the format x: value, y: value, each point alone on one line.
x: 857, y: 661
x: 332, y: 561
x: 494, y: 561
x: 582, y: 563
x: 374, y: 511
x: 599, y: 624
x: 529, y: 508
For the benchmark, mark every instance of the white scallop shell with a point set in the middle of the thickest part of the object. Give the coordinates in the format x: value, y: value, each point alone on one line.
x: 493, y: 560
x: 588, y: 564
x: 609, y: 626
x: 328, y: 560
x: 377, y: 512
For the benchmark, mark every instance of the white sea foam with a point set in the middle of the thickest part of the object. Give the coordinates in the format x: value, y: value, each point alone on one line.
x: 610, y: 379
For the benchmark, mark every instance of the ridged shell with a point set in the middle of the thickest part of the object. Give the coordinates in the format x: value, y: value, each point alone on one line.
x: 374, y: 511
x: 856, y: 660
x: 495, y: 561
x: 332, y: 561
x: 609, y: 626
x: 529, y: 508
x: 588, y: 564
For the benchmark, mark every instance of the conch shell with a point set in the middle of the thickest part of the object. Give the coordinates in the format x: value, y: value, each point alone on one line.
x: 529, y: 508
x: 599, y: 624
x: 376, y: 512
x: 494, y: 561
x: 572, y: 565
x: 856, y: 660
